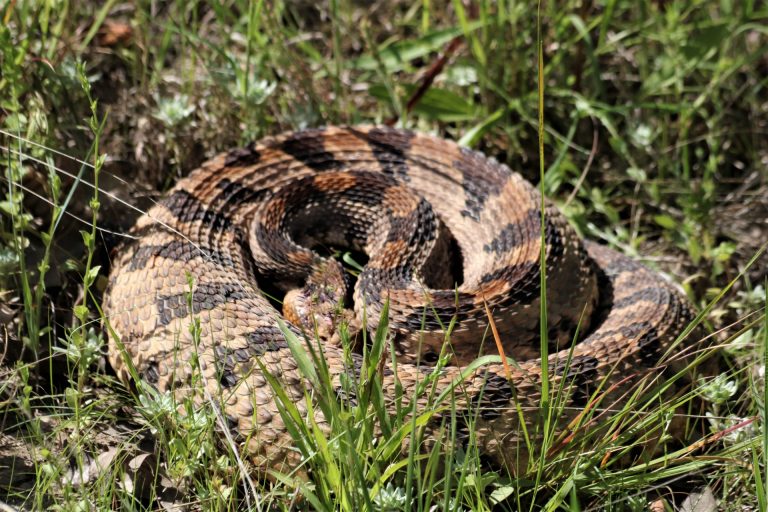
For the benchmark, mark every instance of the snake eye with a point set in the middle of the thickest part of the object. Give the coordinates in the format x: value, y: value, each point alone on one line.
x: 430, y: 357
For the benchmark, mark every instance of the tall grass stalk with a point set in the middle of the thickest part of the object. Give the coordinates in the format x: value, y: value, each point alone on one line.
x: 761, y: 477
x: 545, y: 408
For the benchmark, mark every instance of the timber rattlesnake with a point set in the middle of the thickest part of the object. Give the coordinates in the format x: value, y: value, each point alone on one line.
x: 446, y: 231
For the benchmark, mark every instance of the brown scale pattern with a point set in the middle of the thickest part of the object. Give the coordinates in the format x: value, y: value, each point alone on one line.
x: 416, y: 205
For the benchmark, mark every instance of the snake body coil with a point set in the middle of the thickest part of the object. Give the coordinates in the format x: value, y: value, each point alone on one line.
x: 446, y: 232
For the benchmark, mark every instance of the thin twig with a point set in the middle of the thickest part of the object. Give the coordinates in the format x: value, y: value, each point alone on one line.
x: 429, y: 77
x: 592, y: 153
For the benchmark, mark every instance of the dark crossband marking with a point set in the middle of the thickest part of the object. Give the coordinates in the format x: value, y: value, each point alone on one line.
x: 479, y: 182
x: 436, y: 316
x: 419, y: 226
x: 242, y: 156
x: 228, y: 379
x: 309, y: 149
x: 233, y: 193
x: 650, y: 347
x: 494, y: 398
x: 187, y: 208
x: 390, y: 148
x: 527, y: 277
x: 649, y: 295
x: 581, y: 374
x: 516, y: 235
x: 265, y: 338
x: 150, y: 373
x: 177, y: 250
x: 205, y: 297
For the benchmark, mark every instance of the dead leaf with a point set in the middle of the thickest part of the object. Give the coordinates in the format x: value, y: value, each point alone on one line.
x: 94, y: 468
x: 702, y: 501
x: 113, y: 33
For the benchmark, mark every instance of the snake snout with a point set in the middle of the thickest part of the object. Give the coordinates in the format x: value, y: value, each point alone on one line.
x: 318, y: 307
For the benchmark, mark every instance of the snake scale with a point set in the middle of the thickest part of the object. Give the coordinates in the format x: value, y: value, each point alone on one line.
x: 445, y: 230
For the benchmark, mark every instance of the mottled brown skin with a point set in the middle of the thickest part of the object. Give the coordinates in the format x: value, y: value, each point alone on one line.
x: 446, y: 231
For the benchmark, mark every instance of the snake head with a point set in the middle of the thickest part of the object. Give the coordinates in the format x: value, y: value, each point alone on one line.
x: 318, y: 306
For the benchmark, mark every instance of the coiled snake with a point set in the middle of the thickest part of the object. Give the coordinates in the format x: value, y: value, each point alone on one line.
x: 446, y: 232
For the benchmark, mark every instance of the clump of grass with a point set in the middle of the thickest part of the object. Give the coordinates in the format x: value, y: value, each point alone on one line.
x: 359, y: 461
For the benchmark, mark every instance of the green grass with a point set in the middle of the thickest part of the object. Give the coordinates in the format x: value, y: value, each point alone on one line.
x: 644, y: 121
